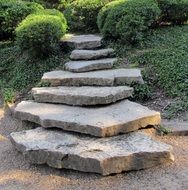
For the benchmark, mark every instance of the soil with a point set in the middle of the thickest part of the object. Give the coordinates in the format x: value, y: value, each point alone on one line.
x: 17, y: 174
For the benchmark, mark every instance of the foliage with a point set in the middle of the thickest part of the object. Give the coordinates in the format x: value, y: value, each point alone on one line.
x: 142, y: 92
x: 82, y: 14
x: 8, y: 95
x: 128, y: 20
x: 40, y: 34
x: 57, y: 4
x: 12, y: 12
x: 164, y: 57
x: 176, y: 108
x: 174, y: 11
x: 21, y: 72
x: 54, y: 12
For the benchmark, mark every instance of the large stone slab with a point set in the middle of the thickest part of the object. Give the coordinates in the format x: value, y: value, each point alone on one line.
x: 95, y: 78
x: 105, y: 156
x: 84, y: 66
x: 81, y: 95
x: 91, y: 54
x: 121, y: 117
x: 82, y: 41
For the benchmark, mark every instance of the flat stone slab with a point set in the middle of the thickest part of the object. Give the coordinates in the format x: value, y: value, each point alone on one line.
x: 175, y: 128
x: 91, y: 54
x: 105, y: 156
x: 81, y: 95
x: 121, y: 117
x: 84, y: 66
x: 95, y: 78
x: 83, y: 41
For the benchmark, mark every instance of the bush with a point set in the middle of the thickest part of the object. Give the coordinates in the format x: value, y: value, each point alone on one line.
x: 128, y: 20
x: 82, y: 14
x: 12, y: 12
x: 54, y: 12
x: 174, y: 11
x: 40, y: 34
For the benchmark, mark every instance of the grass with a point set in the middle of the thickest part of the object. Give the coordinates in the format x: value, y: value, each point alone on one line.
x: 19, y: 72
x: 164, y: 55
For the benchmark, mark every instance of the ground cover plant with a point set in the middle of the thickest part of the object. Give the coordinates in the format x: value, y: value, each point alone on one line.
x: 164, y: 57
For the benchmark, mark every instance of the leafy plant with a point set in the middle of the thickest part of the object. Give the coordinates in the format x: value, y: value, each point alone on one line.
x: 82, y: 14
x: 8, y: 95
x: 174, y: 11
x: 12, y: 12
x: 128, y: 20
x: 40, y: 34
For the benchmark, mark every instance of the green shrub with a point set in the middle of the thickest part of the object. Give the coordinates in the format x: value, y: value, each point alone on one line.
x: 174, y: 11
x: 8, y: 95
x: 12, y: 12
x: 142, y: 92
x: 82, y: 14
x: 40, y: 34
x: 57, y: 4
x: 54, y: 12
x: 128, y: 20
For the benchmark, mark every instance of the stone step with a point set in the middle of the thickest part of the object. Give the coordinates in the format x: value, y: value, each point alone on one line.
x: 95, y: 78
x: 81, y: 95
x: 84, y: 66
x: 121, y: 117
x: 82, y: 41
x: 105, y: 156
x: 91, y: 54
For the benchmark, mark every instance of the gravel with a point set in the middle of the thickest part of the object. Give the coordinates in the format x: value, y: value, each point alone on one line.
x: 17, y: 174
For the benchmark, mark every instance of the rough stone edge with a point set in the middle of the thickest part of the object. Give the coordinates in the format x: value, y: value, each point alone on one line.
x: 155, y: 119
x: 86, y: 101
x: 137, y: 158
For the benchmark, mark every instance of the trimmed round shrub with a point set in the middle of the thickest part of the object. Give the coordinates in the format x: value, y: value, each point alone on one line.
x: 81, y: 15
x: 40, y: 34
x: 128, y: 20
x: 12, y: 13
x: 54, y: 12
x: 174, y: 11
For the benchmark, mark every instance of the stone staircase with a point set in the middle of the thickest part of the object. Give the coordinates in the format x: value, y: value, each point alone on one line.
x: 88, y: 100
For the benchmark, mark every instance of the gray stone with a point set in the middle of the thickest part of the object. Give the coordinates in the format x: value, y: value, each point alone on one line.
x: 91, y: 54
x: 121, y: 117
x: 81, y: 95
x: 175, y: 127
x: 105, y: 156
x: 84, y: 66
x: 82, y: 41
x: 95, y: 78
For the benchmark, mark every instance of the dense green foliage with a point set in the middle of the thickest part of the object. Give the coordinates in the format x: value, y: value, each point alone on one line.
x: 54, y: 12
x: 40, y: 34
x: 128, y: 20
x: 164, y: 55
x: 12, y: 12
x: 20, y: 72
x: 82, y: 14
x: 57, y: 4
x: 174, y: 11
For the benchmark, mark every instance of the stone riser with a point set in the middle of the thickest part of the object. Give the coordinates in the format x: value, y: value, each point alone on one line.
x: 94, y: 65
x: 81, y: 96
x: 82, y: 41
x: 105, y: 156
x: 95, y: 78
x: 91, y: 54
x: 122, y: 117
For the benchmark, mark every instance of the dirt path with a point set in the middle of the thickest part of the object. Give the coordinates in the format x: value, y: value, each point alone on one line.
x: 17, y: 174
